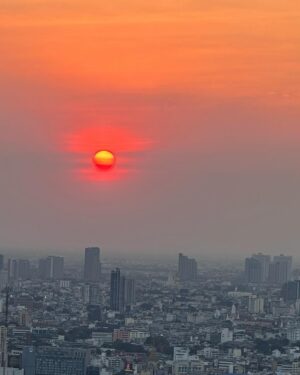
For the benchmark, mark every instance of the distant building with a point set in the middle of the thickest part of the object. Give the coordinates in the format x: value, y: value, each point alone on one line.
x: 92, y: 265
x: 117, y: 290
x: 18, y: 269
x: 54, y: 361
x: 256, y: 305
x: 3, y: 279
x: 1, y: 262
x: 51, y: 268
x: 187, y: 268
x: 293, y: 334
x: 91, y: 294
x: 129, y: 292
x: 226, y: 335
x: 11, y: 371
x: 24, y: 318
x: 3, y: 346
x: 291, y: 291
x: 257, y: 268
x: 280, y: 269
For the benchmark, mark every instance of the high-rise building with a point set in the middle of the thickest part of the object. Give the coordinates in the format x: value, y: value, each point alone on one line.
x: 280, y: 269
x: 51, y: 267
x: 291, y: 291
x: 18, y: 269
x: 187, y: 268
x: 3, y: 345
x: 117, y: 290
x: 257, y: 268
x: 23, y: 269
x: 54, y: 361
x: 91, y: 294
x: 3, y: 279
x: 92, y: 265
x: 1, y: 262
x: 129, y: 292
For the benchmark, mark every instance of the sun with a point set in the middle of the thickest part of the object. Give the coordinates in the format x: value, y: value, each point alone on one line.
x: 104, y: 159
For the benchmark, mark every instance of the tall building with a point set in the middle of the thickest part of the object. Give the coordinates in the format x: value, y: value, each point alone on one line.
x: 3, y: 345
x: 280, y: 269
x: 257, y: 268
x: 187, y: 268
x: 91, y: 294
x: 1, y: 262
x: 24, y: 269
x: 92, y: 265
x: 54, y: 361
x: 117, y: 290
x: 291, y: 291
x: 3, y: 279
x: 129, y: 292
x: 18, y: 269
x: 51, y: 267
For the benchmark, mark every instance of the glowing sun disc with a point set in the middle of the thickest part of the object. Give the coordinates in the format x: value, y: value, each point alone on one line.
x: 104, y: 159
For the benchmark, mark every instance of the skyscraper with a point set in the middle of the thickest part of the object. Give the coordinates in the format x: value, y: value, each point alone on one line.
x: 51, y: 267
x: 257, y: 268
x: 117, y: 290
x: 187, y: 268
x: 280, y: 269
x: 92, y: 265
x: 129, y: 292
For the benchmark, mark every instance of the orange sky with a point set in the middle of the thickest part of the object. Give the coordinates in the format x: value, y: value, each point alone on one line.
x: 209, y: 88
x: 224, y: 47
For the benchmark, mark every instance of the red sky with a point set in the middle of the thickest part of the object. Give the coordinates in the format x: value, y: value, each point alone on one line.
x: 200, y: 99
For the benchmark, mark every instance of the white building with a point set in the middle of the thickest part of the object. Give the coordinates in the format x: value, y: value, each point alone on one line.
x: 256, y: 305
x: 226, y: 335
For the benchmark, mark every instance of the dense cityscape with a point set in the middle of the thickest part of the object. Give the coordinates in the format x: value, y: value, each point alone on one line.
x: 134, y: 318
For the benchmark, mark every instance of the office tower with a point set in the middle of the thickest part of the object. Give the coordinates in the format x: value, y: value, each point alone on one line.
x: 187, y: 268
x: 280, y: 269
x: 92, y: 266
x: 291, y: 291
x: 1, y: 262
x: 117, y: 290
x: 46, y: 360
x: 3, y: 346
x: 129, y: 297
x: 257, y: 268
x: 51, y: 268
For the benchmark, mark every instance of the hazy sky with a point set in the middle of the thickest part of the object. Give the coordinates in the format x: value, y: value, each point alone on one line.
x: 199, y: 100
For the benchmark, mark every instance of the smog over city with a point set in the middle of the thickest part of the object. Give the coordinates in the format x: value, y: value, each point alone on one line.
x: 149, y: 192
